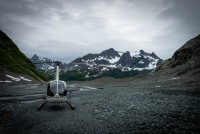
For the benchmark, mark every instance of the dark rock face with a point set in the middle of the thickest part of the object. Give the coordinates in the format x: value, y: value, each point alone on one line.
x: 78, y: 60
x: 89, y: 56
x: 125, y: 60
x: 103, y: 62
x: 154, y: 55
x: 110, y: 53
x: 185, y: 60
x: 187, y: 53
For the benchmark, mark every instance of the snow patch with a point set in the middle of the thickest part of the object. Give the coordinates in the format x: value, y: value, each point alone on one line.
x: 89, y: 87
x: 135, y: 54
x: 112, y: 66
x: 120, y: 53
x: 24, y: 78
x: 16, y: 79
x: 114, y: 60
x: 175, y: 78
x: 13, y: 78
x: 100, y: 58
x: 139, y: 69
x: 50, y: 67
x: 104, y: 69
x: 87, y: 76
x: 153, y: 64
x: 141, y: 62
x: 124, y: 69
x: 6, y: 81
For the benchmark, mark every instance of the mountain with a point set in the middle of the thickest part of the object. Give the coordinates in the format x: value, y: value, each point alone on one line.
x: 124, y: 61
x: 185, y: 61
x: 115, y: 64
x: 12, y: 60
x: 44, y: 66
x: 107, y: 63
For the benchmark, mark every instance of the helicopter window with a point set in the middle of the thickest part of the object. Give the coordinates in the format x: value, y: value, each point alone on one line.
x: 53, y: 87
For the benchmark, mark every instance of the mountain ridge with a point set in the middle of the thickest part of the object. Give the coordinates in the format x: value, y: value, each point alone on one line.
x: 108, y: 62
x: 12, y: 60
x: 184, y: 61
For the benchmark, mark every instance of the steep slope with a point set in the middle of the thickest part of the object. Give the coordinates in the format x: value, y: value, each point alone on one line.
x: 186, y: 60
x: 13, y: 60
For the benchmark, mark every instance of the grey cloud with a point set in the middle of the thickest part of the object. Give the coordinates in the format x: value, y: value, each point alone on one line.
x: 186, y: 13
x: 72, y: 28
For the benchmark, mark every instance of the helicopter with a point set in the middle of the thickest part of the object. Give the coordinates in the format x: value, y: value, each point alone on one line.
x: 56, y: 91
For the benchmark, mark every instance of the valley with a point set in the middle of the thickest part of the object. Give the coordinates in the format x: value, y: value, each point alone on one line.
x: 164, y: 101
x: 106, y: 105
x: 109, y: 62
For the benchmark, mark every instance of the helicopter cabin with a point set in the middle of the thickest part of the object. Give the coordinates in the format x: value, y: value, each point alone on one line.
x: 52, y: 88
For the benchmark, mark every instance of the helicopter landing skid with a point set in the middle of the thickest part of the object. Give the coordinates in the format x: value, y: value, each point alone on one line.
x: 71, y: 106
x: 41, y: 105
x: 55, y: 100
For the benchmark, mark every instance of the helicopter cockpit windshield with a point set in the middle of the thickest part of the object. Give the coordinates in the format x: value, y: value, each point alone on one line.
x: 52, y: 88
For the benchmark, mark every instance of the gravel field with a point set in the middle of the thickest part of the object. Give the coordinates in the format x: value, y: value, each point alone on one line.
x: 106, y: 105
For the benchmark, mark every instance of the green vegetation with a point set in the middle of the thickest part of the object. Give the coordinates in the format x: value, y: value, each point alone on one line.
x: 116, y: 73
x: 12, y: 59
x: 83, y: 76
x: 73, y: 75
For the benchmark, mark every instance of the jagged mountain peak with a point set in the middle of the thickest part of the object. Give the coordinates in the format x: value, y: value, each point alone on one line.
x: 154, y: 55
x: 142, y: 51
x: 109, y: 53
x: 89, y: 56
x: 35, y: 57
x: 127, y: 53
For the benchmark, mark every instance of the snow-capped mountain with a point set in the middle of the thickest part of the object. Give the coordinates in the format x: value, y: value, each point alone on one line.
x: 107, y: 63
x: 111, y: 59
x: 44, y: 66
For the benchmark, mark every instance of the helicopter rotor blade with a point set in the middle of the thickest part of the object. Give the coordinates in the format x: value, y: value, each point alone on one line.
x: 57, y: 62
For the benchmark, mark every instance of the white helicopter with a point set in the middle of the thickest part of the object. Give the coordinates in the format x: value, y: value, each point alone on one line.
x: 56, y: 91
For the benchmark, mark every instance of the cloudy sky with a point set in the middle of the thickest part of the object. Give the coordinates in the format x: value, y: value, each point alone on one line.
x: 67, y: 29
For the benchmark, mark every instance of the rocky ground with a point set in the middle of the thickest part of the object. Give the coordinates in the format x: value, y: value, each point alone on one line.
x: 132, y: 105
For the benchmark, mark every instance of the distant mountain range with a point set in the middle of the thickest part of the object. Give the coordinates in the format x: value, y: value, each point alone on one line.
x: 14, y: 65
x: 124, y: 61
x: 108, y: 62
